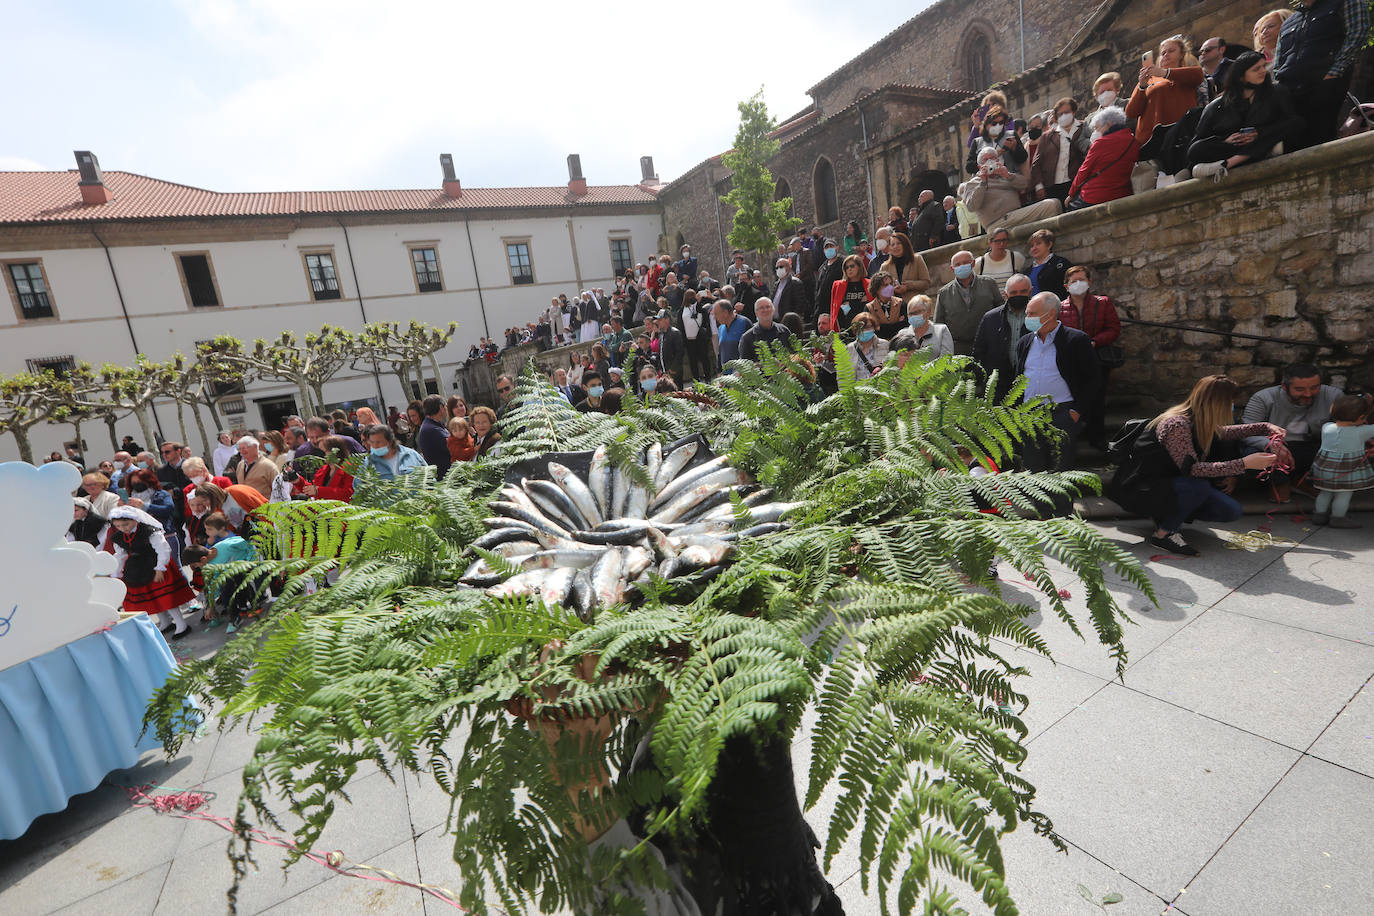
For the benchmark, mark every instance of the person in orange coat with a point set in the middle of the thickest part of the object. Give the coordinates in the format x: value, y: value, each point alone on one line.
x: 1167, y: 88
x: 461, y: 445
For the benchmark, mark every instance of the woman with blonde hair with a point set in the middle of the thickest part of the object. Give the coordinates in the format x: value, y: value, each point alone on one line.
x: 1266, y: 32
x: 97, y: 488
x: 1173, y: 479
x: 367, y: 417
x: 1167, y: 89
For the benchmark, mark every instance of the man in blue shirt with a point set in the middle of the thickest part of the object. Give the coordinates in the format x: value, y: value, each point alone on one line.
x: 1059, y: 365
x: 732, y: 327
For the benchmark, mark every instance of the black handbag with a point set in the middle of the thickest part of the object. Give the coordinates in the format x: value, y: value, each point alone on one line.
x: 1110, y: 356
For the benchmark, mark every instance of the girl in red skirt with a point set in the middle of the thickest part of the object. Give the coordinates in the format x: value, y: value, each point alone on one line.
x: 143, y: 560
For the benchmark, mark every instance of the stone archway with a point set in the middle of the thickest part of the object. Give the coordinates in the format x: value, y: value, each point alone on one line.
x: 932, y: 179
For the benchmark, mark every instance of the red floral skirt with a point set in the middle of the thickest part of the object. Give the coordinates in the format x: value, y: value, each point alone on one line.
x: 156, y: 597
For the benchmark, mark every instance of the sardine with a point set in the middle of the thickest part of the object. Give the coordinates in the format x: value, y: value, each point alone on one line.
x: 556, y: 586
x: 581, y: 496
x: 620, y: 492
x: 720, y: 497
x: 772, y: 512
x: 761, y: 530
x: 582, y: 598
x: 653, y: 461
x: 660, y: 543
x: 688, y: 479
x: 718, y: 527
x: 637, y: 503
x: 637, y: 560
x: 525, y: 583
x: 513, y: 549
x: 550, y: 497
x: 507, y: 535
x: 625, y: 535
x: 550, y: 559
x: 607, y: 583
x: 761, y: 495
x: 514, y: 494
x: 721, y: 479
x: 672, y: 465
x: 599, y: 481
x: 480, y: 575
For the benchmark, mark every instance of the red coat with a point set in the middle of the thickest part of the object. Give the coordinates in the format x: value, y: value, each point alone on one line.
x: 837, y: 291
x: 340, y: 484
x: 1098, y: 320
x: 222, y: 482
x: 1106, y: 171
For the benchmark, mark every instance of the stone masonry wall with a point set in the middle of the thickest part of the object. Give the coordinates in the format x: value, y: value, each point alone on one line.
x: 1278, y: 249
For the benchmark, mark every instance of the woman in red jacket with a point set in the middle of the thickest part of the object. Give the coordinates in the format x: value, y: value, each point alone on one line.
x: 1095, y: 316
x: 331, y: 481
x: 1167, y: 89
x: 1106, y: 171
x: 849, y: 294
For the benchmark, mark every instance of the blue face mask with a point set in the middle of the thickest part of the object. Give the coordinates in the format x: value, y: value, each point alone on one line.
x: 916, y: 321
x: 830, y: 252
x: 963, y: 271
x: 380, y: 452
x: 596, y: 391
x: 866, y: 335
x: 141, y: 464
x: 648, y: 384
x: 1032, y: 324
x: 267, y: 448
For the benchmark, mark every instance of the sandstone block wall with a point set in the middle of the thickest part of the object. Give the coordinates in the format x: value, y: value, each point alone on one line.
x: 1280, y: 249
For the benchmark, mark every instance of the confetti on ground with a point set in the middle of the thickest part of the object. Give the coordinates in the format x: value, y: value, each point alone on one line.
x: 1064, y: 593
x: 1255, y: 540
x: 1157, y: 557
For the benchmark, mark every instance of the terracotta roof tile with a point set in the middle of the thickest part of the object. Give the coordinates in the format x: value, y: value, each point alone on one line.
x: 53, y: 197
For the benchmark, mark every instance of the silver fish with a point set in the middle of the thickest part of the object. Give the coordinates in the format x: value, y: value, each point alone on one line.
x: 581, y: 496
x: 512, y: 549
x: 688, y: 479
x: 607, y: 584
x: 620, y: 493
x: 556, y: 586
x: 637, y: 560
x: 653, y: 461
x: 772, y: 512
x: 538, y: 521
x: 715, y: 527
x: 506, y: 535
x: 480, y: 575
x: 661, y: 545
x: 718, y: 498
x: 525, y: 583
x: 582, y: 596
x: 760, y: 530
x: 674, y: 463
x: 548, y: 496
x: 549, y: 559
x: 514, y: 494
x: 599, y: 481
x: 726, y: 477
x: 637, y: 503
x: 626, y: 535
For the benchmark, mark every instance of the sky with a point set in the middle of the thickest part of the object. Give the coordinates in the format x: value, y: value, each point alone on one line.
x: 252, y: 95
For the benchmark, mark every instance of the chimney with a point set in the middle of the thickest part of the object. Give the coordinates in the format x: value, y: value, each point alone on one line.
x: 646, y: 170
x: 451, y: 186
x: 577, y: 185
x: 92, y: 183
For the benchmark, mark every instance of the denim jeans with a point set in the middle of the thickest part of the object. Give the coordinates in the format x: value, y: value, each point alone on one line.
x: 1196, y: 498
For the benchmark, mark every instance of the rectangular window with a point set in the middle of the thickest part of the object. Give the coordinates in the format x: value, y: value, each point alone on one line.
x: 324, y: 279
x: 198, y: 279
x: 30, y: 289
x: 60, y: 366
x: 621, y: 259
x: 518, y: 259
x: 426, y: 263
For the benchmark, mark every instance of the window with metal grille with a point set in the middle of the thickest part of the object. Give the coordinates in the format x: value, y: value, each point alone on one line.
x: 324, y: 280
x: 621, y: 260
x: 60, y: 366
x: 426, y: 261
x: 978, y: 61
x: 200, y: 282
x: 31, y: 290
x: 521, y: 267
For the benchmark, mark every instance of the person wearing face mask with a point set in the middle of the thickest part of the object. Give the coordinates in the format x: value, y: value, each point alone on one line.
x: 389, y: 458
x: 1107, y: 169
x: 788, y: 296
x: 928, y: 228
x: 849, y: 294
x: 1060, y: 367
x: 831, y: 271
x: 886, y: 308
x: 686, y: 267
x: 997, y: 134
x: 868, y: 351
x: 881, y: 240
x: 962, y: 302
x: 197, y: 473
x: 994, y: 343
x: 1035, y: 129
x: 1245, y: 122
x: 1059, y: 153
x: 1107, y: 92
x: 920, y: 333
x: 994, y: 193
x: 1097, y: 317
x: 598, y: 399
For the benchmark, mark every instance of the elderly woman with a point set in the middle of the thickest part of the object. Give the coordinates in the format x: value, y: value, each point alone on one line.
x: 485, y: 435
x: 196, y: 472
x: 97, y: 488
x: 1266, y: 32
x: 1097, y: 317
x: 1245, y: 122
x: 1106, y: 171
x: 921, y: 333
x: 1167, y: 88
x: 1107, y: 91
x: 868, y: 351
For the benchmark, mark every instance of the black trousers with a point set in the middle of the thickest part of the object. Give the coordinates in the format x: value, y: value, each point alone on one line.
x: 699, y: 356
x: 1319, y: 105
x: 1216, y: 149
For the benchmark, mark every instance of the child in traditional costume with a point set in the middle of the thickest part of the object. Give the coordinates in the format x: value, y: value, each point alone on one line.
x: 143, y: 560
x: 87, y: 525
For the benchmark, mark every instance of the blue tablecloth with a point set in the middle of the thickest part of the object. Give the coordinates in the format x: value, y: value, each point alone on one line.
x: 70, y: 716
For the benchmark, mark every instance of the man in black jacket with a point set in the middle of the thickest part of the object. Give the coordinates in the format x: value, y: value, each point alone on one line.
x: 765, y: 330
x: 994, y: 343
x: 432, y: 439
x: 790, y: 294
x: 672, y: 346
x: 1059, y: 365
x: 831, y: 270
x: 1316, y: 54
x: 927, y: 230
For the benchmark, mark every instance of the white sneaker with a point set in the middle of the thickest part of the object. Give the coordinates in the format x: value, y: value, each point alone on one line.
x: 1214, y: 170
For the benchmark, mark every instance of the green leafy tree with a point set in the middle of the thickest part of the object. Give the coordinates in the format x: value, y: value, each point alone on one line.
x: 133, y: 388
x: 28, y: 399
x: 875, y: 611
x: 759, y: 219
x: 406, y: 349
x: 307, y: 363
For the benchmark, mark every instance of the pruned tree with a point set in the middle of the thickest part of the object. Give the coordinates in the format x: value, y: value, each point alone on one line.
x: 406, y: 350
x: 759, y: 219
x: 191, y: 383
x: 133, y: 388
x: 28, y: 399
x: 306, y: 362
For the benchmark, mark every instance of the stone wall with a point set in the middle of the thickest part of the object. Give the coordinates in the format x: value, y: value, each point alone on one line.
x: 1279, y: 249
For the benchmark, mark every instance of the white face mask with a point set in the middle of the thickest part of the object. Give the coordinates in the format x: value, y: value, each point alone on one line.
x: 881, y: 244
x: 781, y: 272
x: 1106, y: 97
x: 1066, y: 120
x: 199, y: 479
x: 1078, y: 287
x: 994, y: 130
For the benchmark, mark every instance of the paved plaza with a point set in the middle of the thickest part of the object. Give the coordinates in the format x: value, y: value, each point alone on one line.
x: 1231, y: 773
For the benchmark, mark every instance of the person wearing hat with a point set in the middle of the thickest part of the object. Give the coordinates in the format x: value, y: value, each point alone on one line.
x: 143, y: 561
x: 672, y: 346
x: 686, y: 268
x: 87, y: 525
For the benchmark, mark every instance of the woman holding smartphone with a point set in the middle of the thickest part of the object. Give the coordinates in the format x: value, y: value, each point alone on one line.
x: 1167, y: 87
x: 1245, y: 122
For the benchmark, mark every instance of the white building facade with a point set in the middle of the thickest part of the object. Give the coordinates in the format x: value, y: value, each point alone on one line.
x: 99, y: 267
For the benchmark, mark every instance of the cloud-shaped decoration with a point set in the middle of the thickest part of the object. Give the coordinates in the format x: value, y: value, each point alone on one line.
x: 49, y: 593
x: 582, y: 533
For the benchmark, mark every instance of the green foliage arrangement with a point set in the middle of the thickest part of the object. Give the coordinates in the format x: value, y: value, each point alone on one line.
x: 759, y: 219
x: 875, y: 611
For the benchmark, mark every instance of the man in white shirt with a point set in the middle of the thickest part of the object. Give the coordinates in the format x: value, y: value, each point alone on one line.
x: 1060, y: 366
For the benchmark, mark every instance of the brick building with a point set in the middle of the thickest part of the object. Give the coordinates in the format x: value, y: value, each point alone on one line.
x: 894, y: 120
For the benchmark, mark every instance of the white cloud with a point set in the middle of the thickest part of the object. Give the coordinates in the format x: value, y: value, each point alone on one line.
x: 20, y: 164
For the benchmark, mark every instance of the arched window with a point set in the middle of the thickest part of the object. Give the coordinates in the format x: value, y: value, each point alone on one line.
x: 977, y: 61
x: 823, y: 187
x: 784, y: 190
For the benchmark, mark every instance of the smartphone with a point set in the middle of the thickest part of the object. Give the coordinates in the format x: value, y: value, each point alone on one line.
x: 1246, y: 130
x: 1147, y: 59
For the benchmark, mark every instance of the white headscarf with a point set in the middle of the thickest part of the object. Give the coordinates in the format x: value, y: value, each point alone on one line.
x: 138, y: 515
